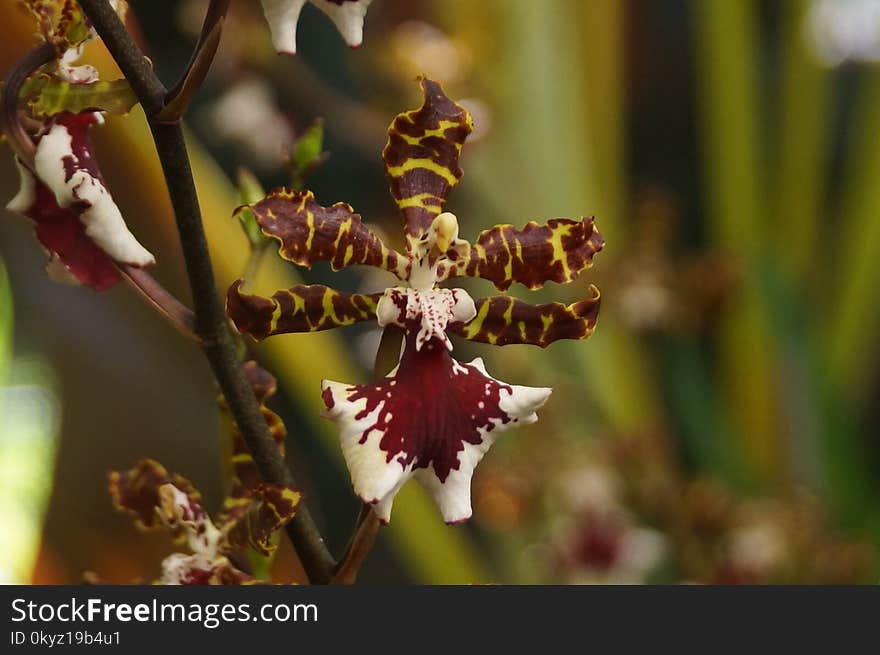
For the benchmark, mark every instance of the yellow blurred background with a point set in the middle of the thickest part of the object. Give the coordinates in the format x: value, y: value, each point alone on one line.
x: 719, y: 426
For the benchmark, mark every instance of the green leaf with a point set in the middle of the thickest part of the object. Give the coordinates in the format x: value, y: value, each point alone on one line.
x: 306, y: 154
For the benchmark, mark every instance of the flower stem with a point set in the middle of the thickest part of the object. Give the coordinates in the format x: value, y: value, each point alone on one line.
x: 365, y: 531
x: 210, y: 318
x: 178, y: 314
x: 178, y: 99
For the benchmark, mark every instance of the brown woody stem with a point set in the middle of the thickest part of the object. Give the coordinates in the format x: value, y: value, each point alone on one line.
x: 180, y: 97
x: 178, y: 314
x: 210, y: 318
x: 365, y: 531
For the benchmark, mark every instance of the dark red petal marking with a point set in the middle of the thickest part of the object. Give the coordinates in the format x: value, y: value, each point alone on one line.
x: 432, y: 406
x: 554, y: 252
x: 421, y: 158
x: 503, y: 320
x: 302, y: 308
x: 308, y: 232
x: 62, y: 233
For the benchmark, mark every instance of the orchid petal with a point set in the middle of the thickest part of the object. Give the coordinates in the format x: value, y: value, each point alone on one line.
x: 307, y: 232
x: 283, y: 16
x: 302, y: 308
x: 348, y: 16
x: 429, y: 310
x: 421, y: 158
x: 136, y: 491
x: 432, y: 417
x: 48, y: 95
x: 242, y: 469
x: 503, y: 320
x: 62, y: 22
x: 252, y: 521
x: 554, y: 252
x: 196, y: 569
x: 63, y: 235
x: 181, y: 512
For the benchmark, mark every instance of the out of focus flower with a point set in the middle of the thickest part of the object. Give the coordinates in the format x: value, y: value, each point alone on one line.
x: 655, y: 289
x: 432, y: 418
x: 844, y: 30
x: 247, y: 116
x: 251, y: 515
x: 283, y: 16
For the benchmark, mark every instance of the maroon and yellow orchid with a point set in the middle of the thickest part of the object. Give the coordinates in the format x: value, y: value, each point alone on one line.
x: 432, y: 417
x: 251, y: 514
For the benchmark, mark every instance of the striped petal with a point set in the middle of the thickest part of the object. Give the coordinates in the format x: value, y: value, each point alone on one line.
x: 433, y: 419
x: 302, y: 308
x: 136, y: 491
x: 554, y: 252
x: 251, y: 522
x: 308, y: 232
x: 48, y: 95
x: 421, y: 158
x: 503, y: 320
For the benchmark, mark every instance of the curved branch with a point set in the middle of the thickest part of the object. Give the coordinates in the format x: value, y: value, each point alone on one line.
x: 19, y: 140
x: 178, y: 314
x: 179, y: 98
x: 210, y: 318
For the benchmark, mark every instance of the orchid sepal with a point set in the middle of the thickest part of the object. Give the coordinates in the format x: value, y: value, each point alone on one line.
x: 504, y: 320
x: 306, y: 232
x: 302, y: 308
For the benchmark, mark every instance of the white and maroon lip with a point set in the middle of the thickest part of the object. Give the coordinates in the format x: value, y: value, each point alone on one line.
x: 430, y: 310
x: 433, y: 418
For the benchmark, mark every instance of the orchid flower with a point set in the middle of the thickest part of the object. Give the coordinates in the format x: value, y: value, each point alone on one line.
x: 62, y: 189
x: 252, y: 512
x: 432, y: 417
x: 283, y: 16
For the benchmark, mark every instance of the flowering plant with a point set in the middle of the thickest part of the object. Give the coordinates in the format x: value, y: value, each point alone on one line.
x: 431, y: 418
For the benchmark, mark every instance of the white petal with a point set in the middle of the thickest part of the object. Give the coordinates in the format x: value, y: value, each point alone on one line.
x: 178, y: 510
x: 374, y: 478
x: 282, y: 16
x: 102, y: 218
x: 25, y: 197
x: 348, y: 18
x: 453, y: 495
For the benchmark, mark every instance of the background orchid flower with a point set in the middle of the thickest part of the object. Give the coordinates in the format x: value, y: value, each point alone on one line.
x: 432, y: 417
x: 283, y: 16
x: 62, y: 189
x: 252, y: 512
